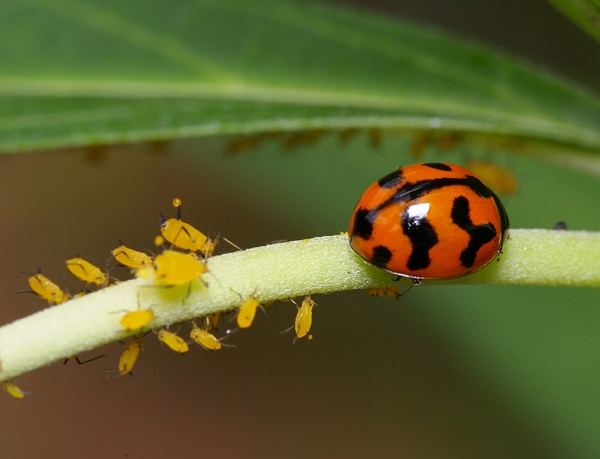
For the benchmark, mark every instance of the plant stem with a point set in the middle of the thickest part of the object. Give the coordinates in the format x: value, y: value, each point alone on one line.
x: 279, y: 271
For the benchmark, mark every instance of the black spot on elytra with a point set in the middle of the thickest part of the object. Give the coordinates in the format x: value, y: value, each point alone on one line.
x: 478, y: 187
x: 438, y: 166
x: 391, y: 180
x: 363, y: 227
x: 381, y: 256
x: 412, y: 191
x: 479, y: 235
x: 422, y: 237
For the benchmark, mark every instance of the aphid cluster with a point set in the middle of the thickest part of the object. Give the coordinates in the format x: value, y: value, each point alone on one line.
x: 181, y: 259
x: 499, y: 178
x: 294, y: 140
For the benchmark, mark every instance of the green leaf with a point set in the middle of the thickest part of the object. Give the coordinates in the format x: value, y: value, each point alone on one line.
x: 584, y: 13
x: 76, y: 74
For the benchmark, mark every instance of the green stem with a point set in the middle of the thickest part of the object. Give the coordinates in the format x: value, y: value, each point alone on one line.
x: 278, y: 271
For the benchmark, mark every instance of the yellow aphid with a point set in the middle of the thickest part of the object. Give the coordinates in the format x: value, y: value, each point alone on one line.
x: 383, y: 291
x: 247, y: 311
x: 304, y: 317
x: 48, y: 290
x: 12, y: 389
x: 375, y: 137
x: 448, y: 140
x: 87, y: 272
x: 131, y: 258
x: 136, y: 319
x: 176, y: 268
x: 210, y: 321
x: 419, y: 144
x: 244, y: 143
x: 183, y: 235
x: 175, y: 342
x: 205, y: 339
x: 145, y: 272
x: 130, y: 355
x: 498, y: 178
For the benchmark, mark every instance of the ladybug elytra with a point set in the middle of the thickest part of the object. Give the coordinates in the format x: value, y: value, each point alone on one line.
x: 429, y: 221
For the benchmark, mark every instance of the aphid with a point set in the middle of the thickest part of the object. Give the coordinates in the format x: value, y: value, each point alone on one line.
x: 375, y: 136
x: 205, y: 339
x: 247, y: 311
x: 87, y: 272
x: 383, y: 291
x: 498, y: 178
x: 210, y: 321
x: 429, y: 221
x: 305, y: 138
x: 137, y: 319
x: 174, y: 342
x: 244, y: 143
x: 183, y: 235
x: 47, y: 290
x: 173, y: 268
x: 96, y: 154
x: 12, y: 389
x: 346, y: 135
x: 304, y: 317
x: 419, y: 144
x: 448, y: 140
x: 443, y: 141
x: 130, y: 258
x: 130, y: 355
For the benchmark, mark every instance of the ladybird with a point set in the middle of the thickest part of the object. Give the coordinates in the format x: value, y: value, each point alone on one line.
x: 429, y: 221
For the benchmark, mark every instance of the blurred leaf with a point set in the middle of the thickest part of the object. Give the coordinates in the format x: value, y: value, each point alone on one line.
x: 86, y: 73
x: 584, y: 13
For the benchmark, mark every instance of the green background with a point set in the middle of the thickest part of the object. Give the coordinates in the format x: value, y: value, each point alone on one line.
x: 479, y: 371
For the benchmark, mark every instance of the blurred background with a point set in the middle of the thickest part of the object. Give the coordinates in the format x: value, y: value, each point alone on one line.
x: 480, y: 371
